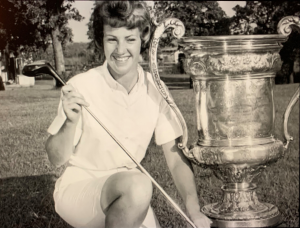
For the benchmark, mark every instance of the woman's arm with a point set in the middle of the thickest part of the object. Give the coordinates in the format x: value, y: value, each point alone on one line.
x: 60, y: 146
x: 183, y: 177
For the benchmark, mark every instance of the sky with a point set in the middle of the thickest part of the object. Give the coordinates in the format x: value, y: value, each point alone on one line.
x: 85, y: 9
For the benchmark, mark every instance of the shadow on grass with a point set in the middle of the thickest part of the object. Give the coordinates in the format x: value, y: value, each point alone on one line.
x: 28, y: 202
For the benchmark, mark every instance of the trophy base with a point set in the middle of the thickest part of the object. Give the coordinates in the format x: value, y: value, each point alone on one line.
x: 269, y: 217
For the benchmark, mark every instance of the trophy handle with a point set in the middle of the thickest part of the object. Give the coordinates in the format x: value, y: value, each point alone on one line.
x: 178, y: 32
x: 284, y: 28
x: 288, y: 110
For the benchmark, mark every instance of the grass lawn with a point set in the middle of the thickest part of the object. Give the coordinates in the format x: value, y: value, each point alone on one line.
x: 27, y: 178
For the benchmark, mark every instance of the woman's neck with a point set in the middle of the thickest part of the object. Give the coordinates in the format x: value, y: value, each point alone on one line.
x: 127, y: 80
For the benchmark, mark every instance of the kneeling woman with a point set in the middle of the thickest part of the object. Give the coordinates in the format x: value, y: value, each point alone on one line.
x: 101, y: 186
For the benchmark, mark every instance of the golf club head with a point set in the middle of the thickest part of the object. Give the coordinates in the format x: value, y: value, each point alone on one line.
x: 41, y: 67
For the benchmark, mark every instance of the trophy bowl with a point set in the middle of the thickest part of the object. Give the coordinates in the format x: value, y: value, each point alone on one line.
x: 233, y: 81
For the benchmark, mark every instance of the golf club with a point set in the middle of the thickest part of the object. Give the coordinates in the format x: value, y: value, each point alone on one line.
x: 43, y: 67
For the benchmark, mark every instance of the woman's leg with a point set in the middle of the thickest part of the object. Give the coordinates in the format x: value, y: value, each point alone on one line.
x: 125, y: 199
x: 78, y: 195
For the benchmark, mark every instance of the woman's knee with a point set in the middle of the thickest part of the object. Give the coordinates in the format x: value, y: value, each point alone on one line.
x: 133, y: 187
x: 140, y: 190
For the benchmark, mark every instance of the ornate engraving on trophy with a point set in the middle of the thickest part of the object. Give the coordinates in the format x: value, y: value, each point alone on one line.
x: 260, y: 211
x: 220, y: 64
x: 273, y: 153
x: 238, y: 174
x: 236, y: 109
x: 239, y: 202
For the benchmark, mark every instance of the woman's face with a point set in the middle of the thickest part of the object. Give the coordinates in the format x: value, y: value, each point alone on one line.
x: 122, y: 49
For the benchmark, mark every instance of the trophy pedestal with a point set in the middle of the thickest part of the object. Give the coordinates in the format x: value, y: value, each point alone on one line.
x: 271, y: 221
x: 236, y: 167
x: 241, y: 208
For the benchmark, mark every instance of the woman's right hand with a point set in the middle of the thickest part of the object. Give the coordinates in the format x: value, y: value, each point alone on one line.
x: 72, y: 102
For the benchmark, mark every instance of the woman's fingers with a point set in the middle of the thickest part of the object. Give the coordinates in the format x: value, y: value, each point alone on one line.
x: 77, y: 100
x: 201, y: 221
x: 75, y: 107
x: 72, y: 102
x: 67, y: 88
x: 71, y: 95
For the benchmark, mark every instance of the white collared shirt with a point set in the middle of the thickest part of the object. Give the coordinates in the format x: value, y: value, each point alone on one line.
x: 132, y: 118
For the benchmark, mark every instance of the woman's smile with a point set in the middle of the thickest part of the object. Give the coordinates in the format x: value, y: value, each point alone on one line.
x: 121, y: 59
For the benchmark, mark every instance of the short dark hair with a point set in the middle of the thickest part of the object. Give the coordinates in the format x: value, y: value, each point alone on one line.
x: 129, y: 14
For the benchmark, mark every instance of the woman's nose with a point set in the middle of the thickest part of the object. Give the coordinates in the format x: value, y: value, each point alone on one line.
x: 121, y: 48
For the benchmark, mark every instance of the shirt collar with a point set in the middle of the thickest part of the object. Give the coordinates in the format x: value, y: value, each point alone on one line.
x: 115, y: 85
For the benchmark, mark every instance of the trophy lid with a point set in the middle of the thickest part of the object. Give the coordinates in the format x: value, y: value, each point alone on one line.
x: 232, y: 42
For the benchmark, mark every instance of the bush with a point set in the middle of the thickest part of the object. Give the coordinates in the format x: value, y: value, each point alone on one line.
x: 174, y: 69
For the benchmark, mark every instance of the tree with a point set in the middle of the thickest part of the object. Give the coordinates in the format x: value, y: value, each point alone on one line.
x: 13, y: 39
x: 13, y: 24
x: 289, y: 54
x: 262, y: 17
x: 200, y: 18
x: 45, y: 22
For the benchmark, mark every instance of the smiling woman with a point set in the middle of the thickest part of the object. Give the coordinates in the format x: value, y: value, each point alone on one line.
x: 102, y: 187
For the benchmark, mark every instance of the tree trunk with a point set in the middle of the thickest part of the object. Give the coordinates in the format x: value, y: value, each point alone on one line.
x: 1, y: 84
x: 58, y: 54
x: 1, y: 81
x: 9, y: 66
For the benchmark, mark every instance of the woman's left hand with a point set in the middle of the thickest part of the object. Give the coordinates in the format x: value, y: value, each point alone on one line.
x: 200, y: 220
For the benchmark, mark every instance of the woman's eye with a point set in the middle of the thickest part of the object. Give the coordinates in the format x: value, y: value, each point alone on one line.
x: 111, y: 40
x: 131, y: 40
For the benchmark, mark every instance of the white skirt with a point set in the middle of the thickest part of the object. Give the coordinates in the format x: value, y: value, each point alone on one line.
x: 77, y: 198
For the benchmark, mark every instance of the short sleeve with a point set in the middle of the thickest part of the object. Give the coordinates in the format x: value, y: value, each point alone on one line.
x: 168, y: 126
x: 59, y: 121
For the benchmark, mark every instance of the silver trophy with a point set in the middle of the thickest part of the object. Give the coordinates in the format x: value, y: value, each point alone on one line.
x: 233, y: 78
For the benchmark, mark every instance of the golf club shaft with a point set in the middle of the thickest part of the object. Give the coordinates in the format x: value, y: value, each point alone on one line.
x: 176, y: 207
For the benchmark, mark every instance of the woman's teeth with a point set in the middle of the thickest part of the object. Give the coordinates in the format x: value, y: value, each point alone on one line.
x: 123, y: 59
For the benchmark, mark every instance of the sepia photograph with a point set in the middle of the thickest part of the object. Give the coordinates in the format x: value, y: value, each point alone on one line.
x: 149, y: 114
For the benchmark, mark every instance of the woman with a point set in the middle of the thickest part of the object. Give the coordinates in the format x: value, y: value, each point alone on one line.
x: 101, y: 187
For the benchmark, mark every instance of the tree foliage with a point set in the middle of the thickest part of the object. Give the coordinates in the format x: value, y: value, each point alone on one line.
x: 13, y: 24
x: 262, y: 17
x: 200, y: 18
x: 290, y: 55
x: 31, y: 24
